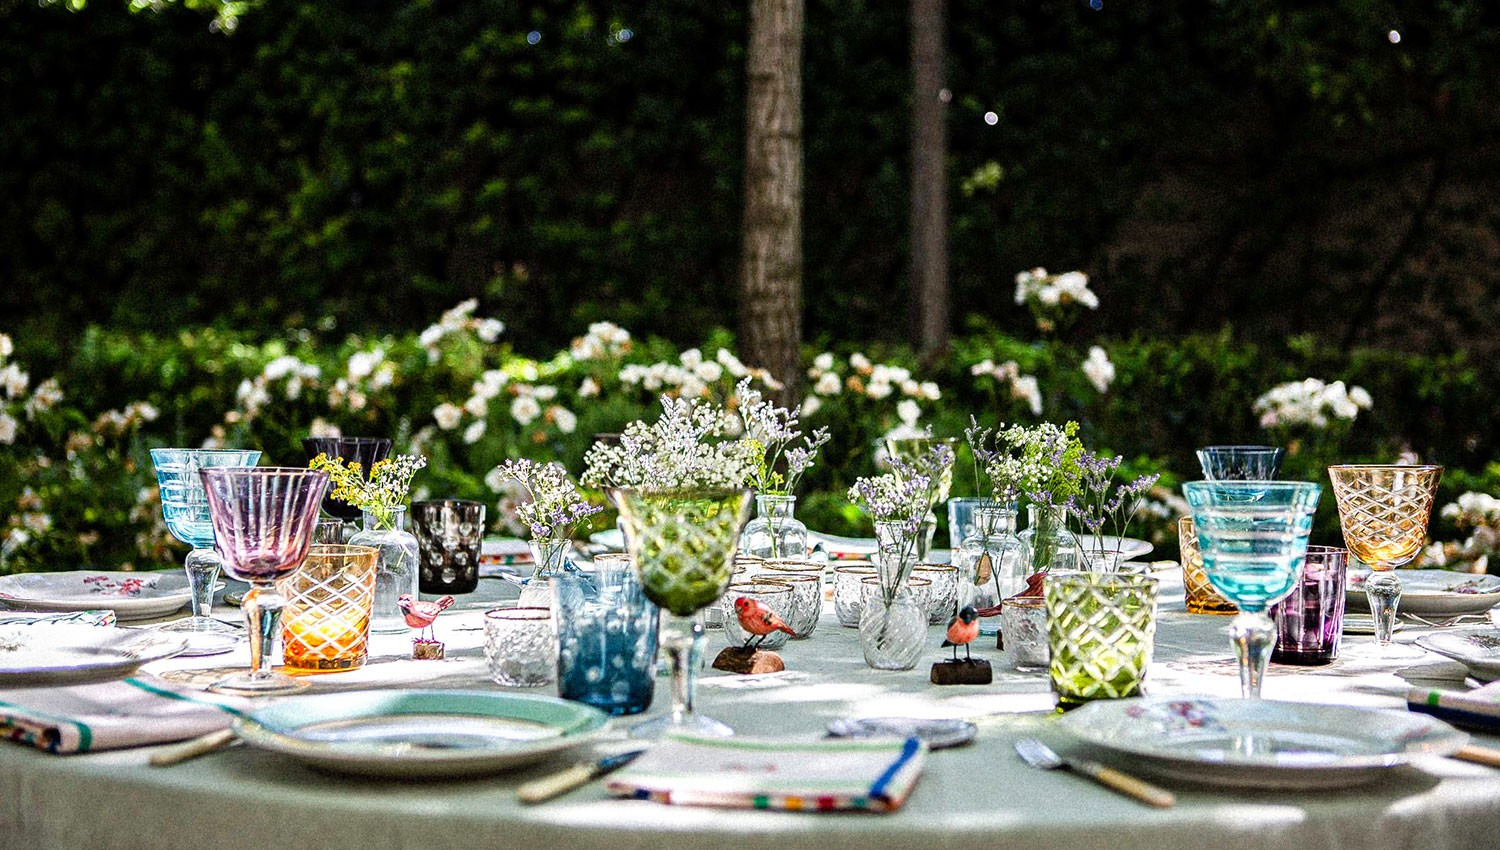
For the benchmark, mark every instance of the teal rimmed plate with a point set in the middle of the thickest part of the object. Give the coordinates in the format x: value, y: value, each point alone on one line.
x: 418, y: 734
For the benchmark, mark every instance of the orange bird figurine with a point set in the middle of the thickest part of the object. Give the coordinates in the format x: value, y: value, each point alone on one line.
x: 962, y: 630
x: 420, y: 613
x: 759, y: 620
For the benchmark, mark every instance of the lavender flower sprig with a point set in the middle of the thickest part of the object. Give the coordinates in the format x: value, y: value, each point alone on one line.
x: 556, y: 506
x: 774, y: 429
x: 1096, y: 506
x: 901, y: 497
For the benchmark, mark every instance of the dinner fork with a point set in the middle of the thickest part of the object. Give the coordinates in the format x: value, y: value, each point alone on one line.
x: 1038, y: 754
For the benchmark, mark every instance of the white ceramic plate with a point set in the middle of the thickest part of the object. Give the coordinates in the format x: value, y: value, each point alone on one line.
x: 612, y: 539
x: 414, y: 734
x: 1477, y: 649
x: 1432, y: 593
x: 1253, y: 743
x: 132, y: 596
x: 50, y: 654
x: 851, y: 547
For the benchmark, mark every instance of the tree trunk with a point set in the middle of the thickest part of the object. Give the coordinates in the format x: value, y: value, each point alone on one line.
x: 929, y: 184
x: 771, y: 262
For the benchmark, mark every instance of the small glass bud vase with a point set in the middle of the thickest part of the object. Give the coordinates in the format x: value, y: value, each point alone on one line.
x: 396, y: 570
x: 774, y: 532
x: 550, y: 558
x: 993, y: 561
x: 1053, y: 547
x: 892, y: 632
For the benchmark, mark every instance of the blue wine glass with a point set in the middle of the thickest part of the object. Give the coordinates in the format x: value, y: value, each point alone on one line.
x: 1253, y: 539
x: 1240, y: 463
x: 184, y: 506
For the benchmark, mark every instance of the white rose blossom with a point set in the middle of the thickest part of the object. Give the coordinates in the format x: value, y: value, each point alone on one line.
x: 447, y: 415
x: 525, y: 409
x: 1098, y: 369
x: 474, y: 432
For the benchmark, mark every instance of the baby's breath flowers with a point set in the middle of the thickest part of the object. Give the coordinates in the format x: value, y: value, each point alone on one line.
x: 1040, y: 463
x: 555, y: 507
x: 683, y: 449
x: 381, y: 493
x: 774, y: 429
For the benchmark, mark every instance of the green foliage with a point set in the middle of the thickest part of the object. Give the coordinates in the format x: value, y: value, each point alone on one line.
x: 76, y: 487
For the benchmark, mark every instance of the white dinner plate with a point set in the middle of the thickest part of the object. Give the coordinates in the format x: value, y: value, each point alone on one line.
x: 1432, y: 593
x: 132, y: 596
x: 1254, y: 743
x: 1478, y: 649
x: 612, y: 539
x: 48, y: 654
x: 414, y: 734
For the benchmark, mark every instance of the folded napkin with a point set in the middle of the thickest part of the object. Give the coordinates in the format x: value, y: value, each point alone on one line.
x: 750, y: 773
x: 70, y: 618
x: 1477, y: 709
x: 133, y: 712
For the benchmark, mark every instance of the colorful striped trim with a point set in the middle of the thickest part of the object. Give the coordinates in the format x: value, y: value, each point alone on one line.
x: 53, y: 741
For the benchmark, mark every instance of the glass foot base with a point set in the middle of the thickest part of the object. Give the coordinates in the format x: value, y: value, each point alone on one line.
x: 207, y: 643
x: 203, y: 625
x: 695, y: 724
x: 247, y: 685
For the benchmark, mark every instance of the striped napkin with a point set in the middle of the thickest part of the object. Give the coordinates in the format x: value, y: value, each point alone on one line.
x: 1476, y: 709
x: 134, y: 712
x: 747, y: 773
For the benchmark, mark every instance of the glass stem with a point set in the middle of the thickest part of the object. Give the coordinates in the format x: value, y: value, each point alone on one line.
x: 682, y: 640
x: 262, y: 607
x: 1383, y: 590
x: 1254, y: 636
x: 203, y: 573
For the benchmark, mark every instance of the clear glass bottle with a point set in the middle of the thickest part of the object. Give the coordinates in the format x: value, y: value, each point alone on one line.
x: 1052, y: 545
x: 549, y: 558
x: 396, y: 572
x: 993, y: 561
x: 893, y: 632
x: 774, y: 532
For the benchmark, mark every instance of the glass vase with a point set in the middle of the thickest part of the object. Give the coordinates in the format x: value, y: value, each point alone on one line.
x: 992, y: 561
x: 892, y: 631
x: 774, y: 532
x: 396, y: 572
x: 1052, y: 546
x: 549, y: 556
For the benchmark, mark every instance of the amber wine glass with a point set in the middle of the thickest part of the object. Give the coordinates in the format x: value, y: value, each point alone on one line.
x: 1384, y: 512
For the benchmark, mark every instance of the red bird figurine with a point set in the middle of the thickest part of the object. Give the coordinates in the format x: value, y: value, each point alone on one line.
x: 758, y: 619
x: 962, y: 630
x: 420, y: 613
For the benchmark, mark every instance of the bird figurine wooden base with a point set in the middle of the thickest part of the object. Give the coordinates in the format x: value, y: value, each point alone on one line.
x: 743, y: 659
x: 962, y: 630
x: 420, y: 615
x: 758, y: 621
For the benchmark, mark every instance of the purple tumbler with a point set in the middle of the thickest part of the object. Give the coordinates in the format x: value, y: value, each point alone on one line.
x: 1310, y: 621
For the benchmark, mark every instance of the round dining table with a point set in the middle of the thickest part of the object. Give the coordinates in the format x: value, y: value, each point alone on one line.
x: 976, y: 796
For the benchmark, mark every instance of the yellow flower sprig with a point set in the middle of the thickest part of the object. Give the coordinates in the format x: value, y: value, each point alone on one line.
x: 383, y: 491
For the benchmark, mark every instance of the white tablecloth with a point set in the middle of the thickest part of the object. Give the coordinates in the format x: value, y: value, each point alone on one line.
x: 980, y: 796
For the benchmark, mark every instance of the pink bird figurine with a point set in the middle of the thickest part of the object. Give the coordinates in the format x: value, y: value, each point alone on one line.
x: 420, y: 613
x: 758, y: 619
x: 962, y: 630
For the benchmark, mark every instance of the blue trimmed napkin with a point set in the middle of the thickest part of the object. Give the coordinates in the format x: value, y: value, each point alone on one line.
x: 134, y: 712
x: 1476, y: 709
x: 873, y: 775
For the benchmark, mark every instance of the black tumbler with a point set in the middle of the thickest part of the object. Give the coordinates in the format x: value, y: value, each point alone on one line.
x: 449, y: 533
x: 365, y: 451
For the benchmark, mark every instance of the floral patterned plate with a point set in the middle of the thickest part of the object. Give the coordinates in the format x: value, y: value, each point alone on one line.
x: 1253, y: 743
x: 1432, y: 593
x: 132, y: 596
x: 51, y: 654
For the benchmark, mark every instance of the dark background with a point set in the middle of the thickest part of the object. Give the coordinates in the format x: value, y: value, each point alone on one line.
x: 364, y: 165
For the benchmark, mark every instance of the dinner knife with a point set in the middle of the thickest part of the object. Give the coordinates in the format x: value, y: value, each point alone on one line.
x: 562, y: 782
